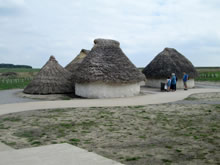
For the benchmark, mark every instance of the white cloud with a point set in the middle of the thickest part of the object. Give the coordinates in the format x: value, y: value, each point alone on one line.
x: 144, y: 28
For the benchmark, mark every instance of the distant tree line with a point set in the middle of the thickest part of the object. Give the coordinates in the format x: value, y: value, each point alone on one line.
x: 14, y: 66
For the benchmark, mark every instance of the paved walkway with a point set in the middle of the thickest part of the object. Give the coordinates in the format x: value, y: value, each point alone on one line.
x: 207, y: 84
x: 11, y: 96
x: 70, y: 155
x: 156, y: 98
x: 57, y: 154
x: 4, y: 147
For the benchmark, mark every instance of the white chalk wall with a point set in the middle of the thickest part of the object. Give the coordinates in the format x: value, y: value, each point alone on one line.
x: 156, y: 83
x: 102, y: 90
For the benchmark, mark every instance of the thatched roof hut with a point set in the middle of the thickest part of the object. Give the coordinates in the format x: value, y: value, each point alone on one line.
x: 106, y: 65
x: 167, y: 62
x: 10, y: 74
x: 74, y: 64
x: 51, y: 79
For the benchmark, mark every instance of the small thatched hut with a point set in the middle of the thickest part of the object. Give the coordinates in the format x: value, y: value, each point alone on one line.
x: 164, y: 64
x: 9, y: 74
x: 52, y: 79
x: 106, y: 72
x: 74, y: 64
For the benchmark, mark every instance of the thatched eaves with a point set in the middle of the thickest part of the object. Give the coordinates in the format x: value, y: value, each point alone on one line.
x: 51, y: 79
x: 74, y: 64
x: 107, y: 63
x: 167, y: 62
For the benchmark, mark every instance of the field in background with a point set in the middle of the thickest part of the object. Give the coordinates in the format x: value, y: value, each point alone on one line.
x: 16, y: 78
x: 18, y: 70
x: 208, y: 73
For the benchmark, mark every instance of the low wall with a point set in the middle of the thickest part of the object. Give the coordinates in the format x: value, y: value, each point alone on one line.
x: 156, y: 83
x: 102, y: 90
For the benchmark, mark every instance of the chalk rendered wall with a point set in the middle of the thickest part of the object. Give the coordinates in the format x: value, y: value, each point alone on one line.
x: 156, y: 83
x: 102, y: 90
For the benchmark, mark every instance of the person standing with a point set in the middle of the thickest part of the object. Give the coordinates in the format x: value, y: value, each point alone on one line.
x: 185, y: 79
x: 173, y: 82
x: 168, y: 84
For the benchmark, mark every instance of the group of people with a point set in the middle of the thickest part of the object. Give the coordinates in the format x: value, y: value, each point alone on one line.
x: 171, y: 82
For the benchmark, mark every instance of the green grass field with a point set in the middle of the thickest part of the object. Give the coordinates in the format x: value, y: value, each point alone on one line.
x: 11, y: 83
x: 18, y: 70
x: 21, y: 80
x: 208, y: 74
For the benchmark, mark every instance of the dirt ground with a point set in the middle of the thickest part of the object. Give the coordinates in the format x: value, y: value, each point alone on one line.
x: 175, y: 133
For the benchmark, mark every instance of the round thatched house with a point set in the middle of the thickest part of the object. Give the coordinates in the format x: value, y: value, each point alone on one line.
x: 164, y: 64
x: 106, y: 73
x: 51, y: 79
x: 74, y: 64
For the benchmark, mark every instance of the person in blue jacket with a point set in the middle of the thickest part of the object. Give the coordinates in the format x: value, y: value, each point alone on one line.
x: 173, y: 82
x: 185, y: 79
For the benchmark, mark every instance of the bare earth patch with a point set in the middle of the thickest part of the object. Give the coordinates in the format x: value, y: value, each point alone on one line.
x: 152, y: 134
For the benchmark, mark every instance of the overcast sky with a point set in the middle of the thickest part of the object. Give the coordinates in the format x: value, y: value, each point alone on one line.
x: 32, y: 30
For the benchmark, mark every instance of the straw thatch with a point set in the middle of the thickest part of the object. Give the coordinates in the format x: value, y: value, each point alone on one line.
x: 52, y: 79
x: 9, y: 74
x: 167, y: 62
x: 107, y: 63
x: 74, y: 64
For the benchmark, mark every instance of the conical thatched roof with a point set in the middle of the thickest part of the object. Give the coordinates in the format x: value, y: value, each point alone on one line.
x: 107, y: 63
x: 73, y: 65
x: 167, y: 62
x: 52, y: 79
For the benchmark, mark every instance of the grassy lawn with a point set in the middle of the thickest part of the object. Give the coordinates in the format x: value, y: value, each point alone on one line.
x: 134, y: 135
